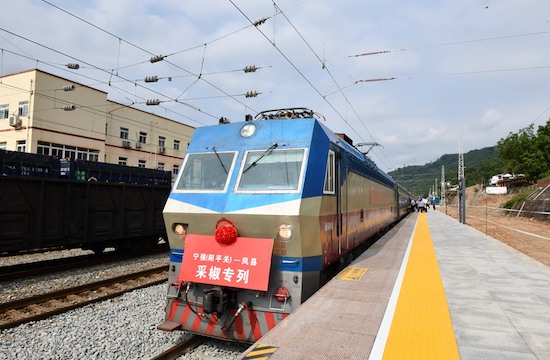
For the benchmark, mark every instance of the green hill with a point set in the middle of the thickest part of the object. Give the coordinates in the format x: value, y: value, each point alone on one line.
x: 479, y: 166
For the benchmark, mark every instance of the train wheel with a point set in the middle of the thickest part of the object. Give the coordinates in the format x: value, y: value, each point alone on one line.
x: 98, y: 249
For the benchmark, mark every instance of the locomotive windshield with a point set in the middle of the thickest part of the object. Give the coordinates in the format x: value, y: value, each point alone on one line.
x: 206, y: 171
x: 271, y: 170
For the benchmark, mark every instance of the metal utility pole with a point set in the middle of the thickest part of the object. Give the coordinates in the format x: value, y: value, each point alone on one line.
x: 443, y: 185
x: 460, y: 159
x: 461, y: 185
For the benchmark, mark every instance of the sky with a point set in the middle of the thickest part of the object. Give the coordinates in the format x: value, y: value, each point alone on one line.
x: 419, y: 78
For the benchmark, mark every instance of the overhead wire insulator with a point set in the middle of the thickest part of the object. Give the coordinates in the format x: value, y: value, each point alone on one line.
x: 250, y: 94
x: 376, y: 79
x: 150, y: 102
x: 73, y: 66
x: 69, y: 107
x: 259, y: 22
x: 250, y: 68
x: 157, y: 58
x: 69, y: 87
x: 150, y: 79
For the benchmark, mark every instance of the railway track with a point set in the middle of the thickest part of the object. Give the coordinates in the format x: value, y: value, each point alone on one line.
x: 42, y: 306
x: 174, y: 351
x: 31, y: 269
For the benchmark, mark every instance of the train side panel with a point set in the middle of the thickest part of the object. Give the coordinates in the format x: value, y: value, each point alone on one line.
x: 404, y: 197
x: 44, y: 213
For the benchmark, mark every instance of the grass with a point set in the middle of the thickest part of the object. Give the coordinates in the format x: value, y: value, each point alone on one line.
x: 516, y: 199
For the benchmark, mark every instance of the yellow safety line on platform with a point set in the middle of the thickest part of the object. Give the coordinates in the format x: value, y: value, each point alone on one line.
x: 421, y: 327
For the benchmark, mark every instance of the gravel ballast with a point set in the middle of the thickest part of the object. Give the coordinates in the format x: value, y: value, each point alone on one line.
x: 23, y: 288
x: 120, y: 328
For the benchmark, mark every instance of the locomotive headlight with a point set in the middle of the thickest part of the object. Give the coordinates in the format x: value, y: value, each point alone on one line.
x: 180, y: 230
x: 284, y: 232
x: 248, y: 130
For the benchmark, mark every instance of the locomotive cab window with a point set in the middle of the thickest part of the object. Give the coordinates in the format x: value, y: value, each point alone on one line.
x: 329, y: 174
x: 206, y: 171
x: 271, y: 170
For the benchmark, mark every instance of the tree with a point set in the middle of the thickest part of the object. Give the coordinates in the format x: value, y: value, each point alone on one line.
x: 543, y: 146
x: 526, y: 152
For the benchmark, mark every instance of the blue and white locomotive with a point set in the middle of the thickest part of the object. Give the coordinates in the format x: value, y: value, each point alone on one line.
x: 260, y: 213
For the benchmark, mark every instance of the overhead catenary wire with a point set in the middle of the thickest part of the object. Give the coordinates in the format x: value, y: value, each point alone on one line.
x: 163, y: 57
x: 103, y: 70
x: 138, y: 47
x: 379, y: 52
x: 323, y: 64
x: 120, y: 66
x: 81, y: 107
x: 291, y: 63
x: 122, y: 91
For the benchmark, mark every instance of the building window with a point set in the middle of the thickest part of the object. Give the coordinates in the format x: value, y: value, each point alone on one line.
x: 66, y: 151
x: 70, y: 152
x: 4, y: 111
x: 162, y: 144
x: 21, y: 145
x: 42, y: 149
x: 57, y: 150
x: 124, y: 133
x: 160, y: 166
x: 175, y: 169
x: 3, y: 145
x: 23, y: 108
x: 176, y: 144
x: 142, y: 163
x: 82, y: 154
x: 122, y: 160
x: 142, y: 137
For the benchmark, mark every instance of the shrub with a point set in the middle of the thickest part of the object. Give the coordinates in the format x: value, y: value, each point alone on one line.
x: 516, y: 199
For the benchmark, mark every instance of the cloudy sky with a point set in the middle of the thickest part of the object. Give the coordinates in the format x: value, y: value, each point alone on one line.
x: 413, y: 76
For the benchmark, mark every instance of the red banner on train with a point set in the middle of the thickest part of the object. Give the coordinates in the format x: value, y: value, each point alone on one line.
x: 244, y: 264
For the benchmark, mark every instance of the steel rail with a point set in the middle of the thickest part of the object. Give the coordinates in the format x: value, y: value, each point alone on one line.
x: 13, y: 313
x: 175, y: 351
x: 24, y: 270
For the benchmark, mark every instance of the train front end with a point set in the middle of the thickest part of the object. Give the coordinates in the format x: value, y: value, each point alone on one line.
x: 234, y: 218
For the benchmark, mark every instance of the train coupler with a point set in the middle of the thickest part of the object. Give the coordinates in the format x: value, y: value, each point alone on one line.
x: 217, y: 300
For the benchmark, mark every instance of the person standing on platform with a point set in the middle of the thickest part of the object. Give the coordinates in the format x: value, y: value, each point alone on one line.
x: 421, y: 205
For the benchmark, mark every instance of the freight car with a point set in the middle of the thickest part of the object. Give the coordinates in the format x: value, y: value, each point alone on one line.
x: 51, y: 203
x: 261, y: 212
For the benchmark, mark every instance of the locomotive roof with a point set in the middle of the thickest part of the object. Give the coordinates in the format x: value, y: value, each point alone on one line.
x: 295, y: 131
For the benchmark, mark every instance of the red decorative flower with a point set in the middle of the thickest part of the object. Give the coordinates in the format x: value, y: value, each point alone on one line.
x: 225, y: 234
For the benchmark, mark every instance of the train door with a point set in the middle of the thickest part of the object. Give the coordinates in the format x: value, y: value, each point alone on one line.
x: 335, y: 185
x: 333, y: 222
x: 337, y: 245
x: 344, y: 211
x: 341, y: 202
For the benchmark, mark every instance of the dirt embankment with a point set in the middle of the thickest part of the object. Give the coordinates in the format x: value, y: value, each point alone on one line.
x: 484, y: 213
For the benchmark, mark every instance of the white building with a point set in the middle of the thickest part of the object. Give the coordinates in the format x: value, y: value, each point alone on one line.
x: 47, y: 114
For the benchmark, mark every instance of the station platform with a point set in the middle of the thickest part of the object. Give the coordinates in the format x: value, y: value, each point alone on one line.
x: 430, y: 288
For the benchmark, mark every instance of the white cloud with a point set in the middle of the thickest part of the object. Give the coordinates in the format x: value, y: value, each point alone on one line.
x: 458, y: 70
